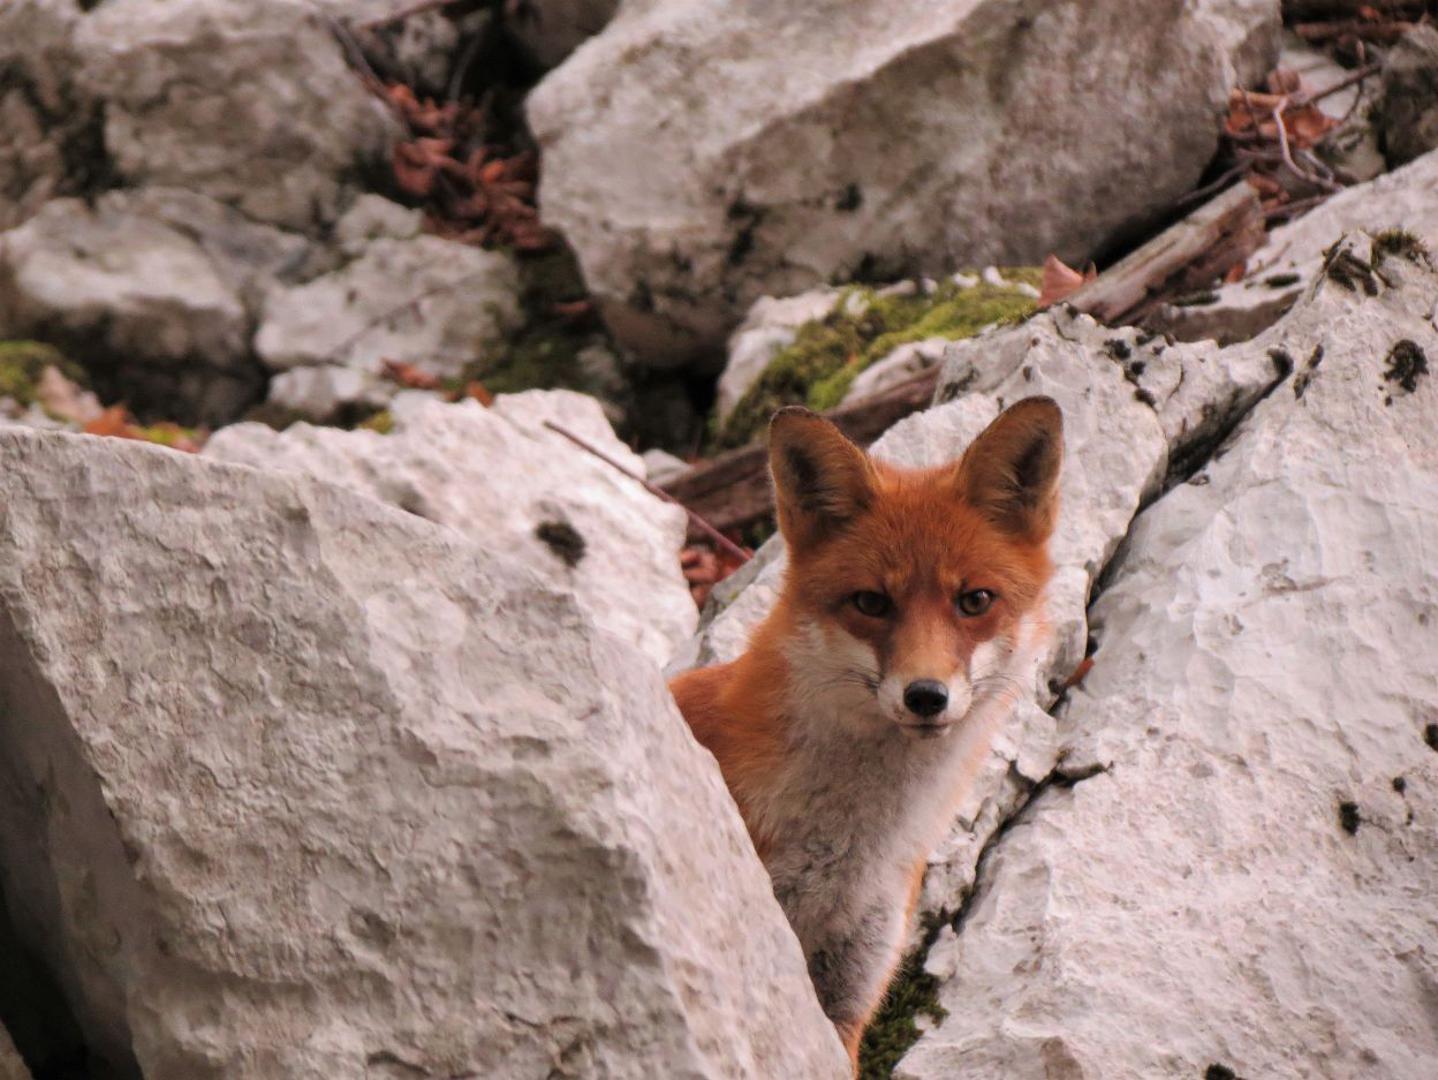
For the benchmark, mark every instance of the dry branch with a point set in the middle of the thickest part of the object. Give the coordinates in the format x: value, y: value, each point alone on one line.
x: 1203, y: 246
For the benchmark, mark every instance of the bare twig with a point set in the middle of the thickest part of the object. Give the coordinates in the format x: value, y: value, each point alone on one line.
x: 709, y: 530
x: 1342, y: 84
x: 1303, y: 174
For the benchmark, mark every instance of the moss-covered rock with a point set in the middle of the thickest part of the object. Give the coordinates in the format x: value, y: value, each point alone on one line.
x: 545, y: 352
x: 23, y: 362
x: 865, y: 326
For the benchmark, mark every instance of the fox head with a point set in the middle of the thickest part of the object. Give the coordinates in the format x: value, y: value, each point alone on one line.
x: 912, y: 591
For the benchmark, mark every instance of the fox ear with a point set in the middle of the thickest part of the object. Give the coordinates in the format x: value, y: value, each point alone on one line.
x: 821, y: 479
x: 1011, y: 471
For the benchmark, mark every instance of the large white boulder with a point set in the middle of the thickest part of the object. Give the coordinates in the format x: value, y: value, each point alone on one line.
x: 300, y: 785
x: 1247, y: 884
x: 249, y: 101
x: 500, y: 476
x: 700, y: 154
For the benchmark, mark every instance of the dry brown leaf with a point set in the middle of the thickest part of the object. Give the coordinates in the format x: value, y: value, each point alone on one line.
x: 409, y: 376
x: 1060, y: 280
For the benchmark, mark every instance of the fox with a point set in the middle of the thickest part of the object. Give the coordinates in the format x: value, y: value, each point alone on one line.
x: 910, y: 616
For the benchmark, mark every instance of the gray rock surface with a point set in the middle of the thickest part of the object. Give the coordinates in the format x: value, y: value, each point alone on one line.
x: 420, y: 300
x: 1250, y: 32
x: 49, y: 140
x: 1409, y: 115
x: 299, y: 785
x: 159, y: 283
x: 285, y: 150
x: 499, y: 476
x: 1247, y: 883
x: 699, y: 155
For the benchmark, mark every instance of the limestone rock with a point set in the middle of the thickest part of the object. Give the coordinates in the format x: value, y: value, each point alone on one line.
x: 158, y: 285
x: 1247, y: 883
x: 499, y: 476
x: 423, y: 300
x: 1410, y: 96
x: 50, y: 141
x: 699, y: 155
x: 304, y: 786
x: 285, y: 150
x: 1250, y: 32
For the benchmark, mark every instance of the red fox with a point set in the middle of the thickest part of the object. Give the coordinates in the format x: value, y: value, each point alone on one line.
x: 911, y: 611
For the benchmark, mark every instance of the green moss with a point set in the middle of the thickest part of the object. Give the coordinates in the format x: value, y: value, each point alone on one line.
x: 894, y: 1029
x: 826, y: 356
x: 544, y: 353
x: 23, y: 362
x: 381, y: 422
x: 172, y: 435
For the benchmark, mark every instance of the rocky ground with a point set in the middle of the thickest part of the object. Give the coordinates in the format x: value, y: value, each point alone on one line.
x: 333, y: 733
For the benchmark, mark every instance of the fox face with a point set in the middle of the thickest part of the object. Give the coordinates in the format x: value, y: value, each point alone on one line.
x: 910, y: 591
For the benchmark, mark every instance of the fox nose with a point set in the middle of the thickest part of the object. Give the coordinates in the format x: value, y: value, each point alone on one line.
x: 926, y: 697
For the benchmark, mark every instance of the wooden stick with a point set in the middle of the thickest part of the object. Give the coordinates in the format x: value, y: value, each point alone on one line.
x: 704, y: 526
x: 1202, y: 246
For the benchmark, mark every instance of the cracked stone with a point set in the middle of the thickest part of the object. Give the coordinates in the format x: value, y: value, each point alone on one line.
x: 354, y: 794
x: 1266, y: 658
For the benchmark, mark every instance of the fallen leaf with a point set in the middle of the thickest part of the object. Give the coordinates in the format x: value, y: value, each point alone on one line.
x: 114, y: 421
x: 1060, y: 280
x: 409, y: 376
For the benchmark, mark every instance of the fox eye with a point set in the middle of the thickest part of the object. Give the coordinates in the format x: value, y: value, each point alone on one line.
x: 974, y: 602
x: 873, y: 604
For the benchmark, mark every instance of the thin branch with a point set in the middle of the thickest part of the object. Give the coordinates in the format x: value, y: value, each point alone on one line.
x: 1342, y: 84
x: 709, y: 530
x: 1303, y: 174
